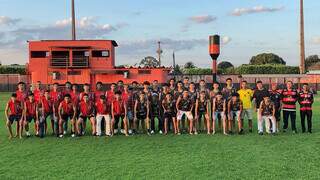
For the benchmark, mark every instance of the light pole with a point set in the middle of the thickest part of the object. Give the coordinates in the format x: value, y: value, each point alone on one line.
x: 302, y: 45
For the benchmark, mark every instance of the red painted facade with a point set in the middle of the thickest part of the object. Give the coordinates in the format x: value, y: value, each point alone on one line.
x: 83, y: 61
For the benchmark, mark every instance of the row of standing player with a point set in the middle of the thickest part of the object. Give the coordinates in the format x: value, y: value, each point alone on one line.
x: 168, y: 105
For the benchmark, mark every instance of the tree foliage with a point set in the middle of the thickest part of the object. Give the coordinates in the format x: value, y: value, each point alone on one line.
x: 266, y: 58
x: 149, y: 61
x: 311, y: 60
x: 17, y: 69
x: 267, y: 69
x: 225, y: 65
x: 189, y: 65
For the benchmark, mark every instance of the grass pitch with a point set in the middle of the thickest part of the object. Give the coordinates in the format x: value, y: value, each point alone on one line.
x: 285, y: 156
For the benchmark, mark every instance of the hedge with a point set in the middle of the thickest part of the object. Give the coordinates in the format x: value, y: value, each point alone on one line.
x: 13, y: 70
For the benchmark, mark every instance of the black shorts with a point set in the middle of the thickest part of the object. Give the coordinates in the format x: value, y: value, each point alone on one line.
x: 277, y: 115
x: 30, y: 118
x: 84, y: 118
x: 13, y: 118
x: 66, y: 117
x: 168, y: 115
x: 200, y: 114
x: 141, y: 116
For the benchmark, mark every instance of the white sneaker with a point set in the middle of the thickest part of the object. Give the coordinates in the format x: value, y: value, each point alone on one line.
x: 115, y: 131
x: 60, y: 136
x: 83, y: 133
x: 64, y: 132
x: 196, y: 133
x: 160, y: 132
x: 122, y: 131
x: 28, y: 134
x: 73, y: 135
x: 152, y: 132
x: 130, y: 131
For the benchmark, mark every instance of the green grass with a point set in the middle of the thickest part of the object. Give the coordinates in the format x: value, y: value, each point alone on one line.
x: 285, y: 156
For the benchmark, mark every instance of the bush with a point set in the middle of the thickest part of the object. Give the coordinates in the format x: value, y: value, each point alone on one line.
x: 13, y: 70
x: 267, y: 69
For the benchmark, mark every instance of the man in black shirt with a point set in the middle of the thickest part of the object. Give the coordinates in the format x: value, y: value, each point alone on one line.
x: 258, y: 95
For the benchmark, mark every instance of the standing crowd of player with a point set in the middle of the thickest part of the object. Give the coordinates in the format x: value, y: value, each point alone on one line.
x: 178, y: 107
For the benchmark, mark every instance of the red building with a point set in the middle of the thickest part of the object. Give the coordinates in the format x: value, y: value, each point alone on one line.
x: 83, y: 61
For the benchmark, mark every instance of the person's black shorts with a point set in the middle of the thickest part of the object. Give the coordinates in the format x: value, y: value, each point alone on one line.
x: 141, y: 116
x: 84, y: 118
x: 13, y: 118
x: 66, y: 117
x: 30, y: 118
x: 201, y: 114
x: 169, y: 116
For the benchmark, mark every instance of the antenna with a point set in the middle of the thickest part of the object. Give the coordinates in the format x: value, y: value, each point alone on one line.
x: 159, y: 51
x: 73, y: 17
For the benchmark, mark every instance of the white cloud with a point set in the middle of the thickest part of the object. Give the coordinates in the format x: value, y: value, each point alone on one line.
x: 256, y: 9
x: 316, y: 40
x: 202, y: 19
x: 226, y: 39
x: 5, y: 20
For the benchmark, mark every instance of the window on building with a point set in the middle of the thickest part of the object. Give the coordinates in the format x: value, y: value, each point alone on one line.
x: 144, y: 71
x: 39, y: 54
x: 104, y: 53
x: 73, y: 73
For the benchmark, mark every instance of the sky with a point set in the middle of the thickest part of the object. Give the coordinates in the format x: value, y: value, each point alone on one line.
x: 246, y: 27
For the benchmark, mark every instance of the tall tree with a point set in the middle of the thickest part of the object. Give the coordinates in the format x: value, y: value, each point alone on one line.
x: 311, y: 60
x: 266, y: 58
x: 225, y: 65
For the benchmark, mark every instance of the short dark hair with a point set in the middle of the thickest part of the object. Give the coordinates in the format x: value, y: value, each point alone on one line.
x: 86, y: 84
x: 244, y: 81
x: 228, y: 79
x: 235, y: 95
x: 14, y: 95
x: 202, y: 80
x: 219, y: 93
x: 85, y: 94
x: 186, y: 77
x: 68, y: 82
x: 146, y: 83
x: 120, y: 81
x: 99, y: 82
x: 102, y: 97
x: 134, y: 82
x: 30, y: 94
x: 216, y: 82
x: 21, y: 83
x: 179, y: 82
x: 113, y: 84
x: 67, y: 95
x: 305, y: 84
x: 259, y: 82
x: 118, y: 92
x: 56, y: 84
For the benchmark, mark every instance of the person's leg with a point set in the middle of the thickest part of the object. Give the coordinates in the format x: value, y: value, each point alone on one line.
x: 303, y: 115
x: 309, y: 121
x: 266, y: 120
x: 238, y: 116
x: 125, y: 125
x: 61, y: 124
x: 93, y: 125
x: 207, y: 120
x: 293, y: 121
x: 73, y: 126
x: 9, y: 127
x: 274, y: 122
x: 107, y: 124
x: 250, y: 117
x: 260, y: 124
x: 78, y: 124
x: 214, y: 119
x: 285, y: 120
x: 98, y: 124
x: 191, y: 121
x: 152, y: 120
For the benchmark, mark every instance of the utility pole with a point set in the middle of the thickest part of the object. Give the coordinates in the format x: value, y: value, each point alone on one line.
x: 302, y: 45
x: 73, y: 17
x: 174, y: 65
x: 159, y: 51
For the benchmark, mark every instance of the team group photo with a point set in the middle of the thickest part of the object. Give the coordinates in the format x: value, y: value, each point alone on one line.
x: 161, y: 89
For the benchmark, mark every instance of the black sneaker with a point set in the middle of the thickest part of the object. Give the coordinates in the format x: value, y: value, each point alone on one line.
x: 250, y: 130
x: 284, y: 130
x: 260, y: 133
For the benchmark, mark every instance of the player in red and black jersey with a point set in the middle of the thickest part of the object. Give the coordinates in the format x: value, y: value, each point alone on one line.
x: 289, y: 98
x: 202, y: 111
x: 306, y: 100
x: 110, y: 95
x: 128, y: 98
x: 21, y: 92
x: 169, y: 113
x: 30, y: 109
x: 86, y: 90
x: 67, y: 111
x: 13, y: 112
x: 141, y: 112
x: 86, y: 111
x: 67, y: 88
x: 275, y: 97
x: 119, y: 110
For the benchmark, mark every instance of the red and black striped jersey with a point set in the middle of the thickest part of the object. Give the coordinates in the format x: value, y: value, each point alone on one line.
x: 305, y: 100
x: 289, y: 99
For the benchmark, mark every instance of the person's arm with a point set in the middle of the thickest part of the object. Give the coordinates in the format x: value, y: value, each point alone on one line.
x: 74, y: 112
x: 196, y: 110
x: 112, y: 112
x: 312, y: 99
x: 6, y: 111
x: 135, y: 109
x: 260, y: 109
x: 37, y: 112
x: 177, y: 103
x: 59, y: 111
x: 254, y: 99
x: 229, y: 108
x: 241, y: 106
x: 148, y: 109
x: 213, y: 105
x: 273, y: 110
x: 224, y: 106
x: 163, y: 107
x: 125, y: 110
x: 208, y: 107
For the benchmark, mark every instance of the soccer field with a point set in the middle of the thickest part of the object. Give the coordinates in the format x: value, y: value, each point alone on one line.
x: 250, y: 156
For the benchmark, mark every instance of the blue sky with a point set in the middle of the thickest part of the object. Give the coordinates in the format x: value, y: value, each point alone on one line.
x: 247, y: 27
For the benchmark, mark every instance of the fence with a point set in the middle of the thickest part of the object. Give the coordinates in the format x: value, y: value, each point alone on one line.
x: 8, y: 82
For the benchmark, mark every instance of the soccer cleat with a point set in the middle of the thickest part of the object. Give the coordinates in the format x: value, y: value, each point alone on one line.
x: 260, y: 133
x: 178, y: 133
x: 115, y: 131
x: 213, y: 132
x: 73, y: 135
x: 130, y: 131
x: 61, y: 136
x: 28, y: 134
x: 196, y: 133
x: 160, y: 132
x: 152, y: 132
x: 122, y: 131
x: 284, y: 130
x: 250, y: 130
x: 64, y: 132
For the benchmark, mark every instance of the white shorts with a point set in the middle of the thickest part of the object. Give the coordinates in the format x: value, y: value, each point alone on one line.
x: 220, y: 115
x: 187, y: 113
x: 248, y: 113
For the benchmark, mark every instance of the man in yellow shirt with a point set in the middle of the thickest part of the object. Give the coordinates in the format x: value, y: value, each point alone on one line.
x: 246, y: 95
